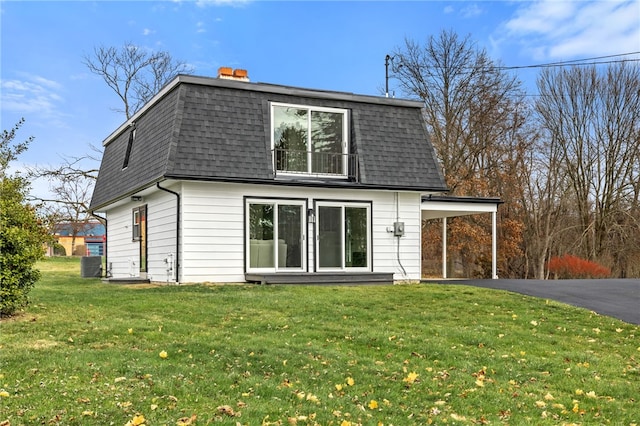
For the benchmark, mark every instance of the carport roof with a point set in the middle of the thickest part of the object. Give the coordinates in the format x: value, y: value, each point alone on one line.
x: 439, y: 206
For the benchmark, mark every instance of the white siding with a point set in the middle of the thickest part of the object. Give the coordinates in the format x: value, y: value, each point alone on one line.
x: 212, y: 232
x: 161, y: 235
x: 392, y: 254
x: 213, y: 236
x: 122, y: 253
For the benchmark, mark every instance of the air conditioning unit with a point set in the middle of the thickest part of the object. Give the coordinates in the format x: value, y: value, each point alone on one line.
x: 91, y: 267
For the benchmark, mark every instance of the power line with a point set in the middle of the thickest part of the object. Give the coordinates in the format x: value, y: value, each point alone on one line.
x: 577, y: 62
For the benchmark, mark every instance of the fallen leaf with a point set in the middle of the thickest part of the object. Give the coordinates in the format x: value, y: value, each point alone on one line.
x: 226, y: 409
x: 186, y: 421
x: 411, y: 377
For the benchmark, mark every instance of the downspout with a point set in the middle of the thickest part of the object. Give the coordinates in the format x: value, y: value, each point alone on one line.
x: 106, y: 241
x: 397, y: 197
x: 177, y: 229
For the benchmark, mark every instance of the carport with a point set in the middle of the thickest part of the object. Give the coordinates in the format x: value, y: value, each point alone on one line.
x: 444, y: 206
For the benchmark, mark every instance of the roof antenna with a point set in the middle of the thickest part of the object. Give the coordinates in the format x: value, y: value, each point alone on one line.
x: 387, y: 59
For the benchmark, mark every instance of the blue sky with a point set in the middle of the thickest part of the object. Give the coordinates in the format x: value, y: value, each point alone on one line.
x: 330, y: 45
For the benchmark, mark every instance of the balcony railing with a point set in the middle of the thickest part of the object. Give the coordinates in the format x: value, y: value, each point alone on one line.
x: 324, y: 164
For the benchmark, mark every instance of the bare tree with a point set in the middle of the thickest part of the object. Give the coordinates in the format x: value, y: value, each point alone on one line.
x: 474, y: 112
x: 135, y: 74
x: 469, y: 101
x: 593, y: 117
x: 545, y: 205
x: 71, y: 186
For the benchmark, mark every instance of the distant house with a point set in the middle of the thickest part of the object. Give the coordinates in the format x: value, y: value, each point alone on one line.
x: 224, y: 180
x: 90, y: 239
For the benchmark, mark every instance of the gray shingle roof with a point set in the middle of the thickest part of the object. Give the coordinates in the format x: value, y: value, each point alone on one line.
x: 212, y: 129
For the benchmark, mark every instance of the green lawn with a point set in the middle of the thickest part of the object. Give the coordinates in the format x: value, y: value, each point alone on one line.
x: 88, y: 353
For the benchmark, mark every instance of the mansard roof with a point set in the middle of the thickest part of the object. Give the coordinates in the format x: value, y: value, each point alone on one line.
x: 200, y: 128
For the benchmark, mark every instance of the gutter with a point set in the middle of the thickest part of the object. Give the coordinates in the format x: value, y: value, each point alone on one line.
x: 331, y: 183
x: 177, y: 229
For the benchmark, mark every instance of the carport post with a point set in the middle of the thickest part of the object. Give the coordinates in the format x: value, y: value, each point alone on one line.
x: 444, y: 247
x: 494, y: 246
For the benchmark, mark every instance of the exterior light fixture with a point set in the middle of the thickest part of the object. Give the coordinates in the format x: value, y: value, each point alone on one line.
x: 311, y: 216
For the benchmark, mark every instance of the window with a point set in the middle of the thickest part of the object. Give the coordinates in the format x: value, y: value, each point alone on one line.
x: 132, y: 137
x: 275, y: 233
x: 309, y: 140
x: 139, y: 219
x: 343, y: 236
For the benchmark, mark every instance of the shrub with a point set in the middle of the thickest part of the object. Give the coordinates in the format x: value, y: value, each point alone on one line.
x: 59, y: 250
x: 21, y: 245
x: 22, y: 236
x: 569, y: 266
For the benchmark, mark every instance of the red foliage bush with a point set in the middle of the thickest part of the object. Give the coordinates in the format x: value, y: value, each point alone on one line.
x: 569, y: 266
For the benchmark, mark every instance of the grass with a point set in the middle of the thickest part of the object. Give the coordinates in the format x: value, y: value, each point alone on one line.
x: 90, y: 353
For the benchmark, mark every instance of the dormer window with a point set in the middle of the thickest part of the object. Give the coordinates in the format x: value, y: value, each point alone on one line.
x: 127, y: 155
x: 310, y: 140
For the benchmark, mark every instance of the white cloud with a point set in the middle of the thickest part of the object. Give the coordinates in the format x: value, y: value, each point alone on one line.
x: 147, y: 32
x: 548, y: 29
x: 471, y: 11
x: 200, y: 28
x: 33, y: 95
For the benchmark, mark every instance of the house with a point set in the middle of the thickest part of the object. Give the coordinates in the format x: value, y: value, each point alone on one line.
x: 226, y: 180
x: 85, y: 238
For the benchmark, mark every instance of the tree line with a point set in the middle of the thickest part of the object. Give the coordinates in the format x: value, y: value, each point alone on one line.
x: 565, y: 161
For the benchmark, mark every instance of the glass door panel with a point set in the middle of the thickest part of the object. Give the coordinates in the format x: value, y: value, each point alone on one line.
x: 261, y: 247
x: 330, y: 237
x: 355, y: 237
x: 290, y: 138
x: 326, y: 142
x: 289, y: 247
x: 275, y: 234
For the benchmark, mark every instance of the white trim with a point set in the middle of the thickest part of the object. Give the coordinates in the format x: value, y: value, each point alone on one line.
x: 439, y: 209
x: 454, y: 207
x: 343, y: 205
x: 494, y: 247
x: 310, y: 109
x: 303, y: 233
x: 444, y: 247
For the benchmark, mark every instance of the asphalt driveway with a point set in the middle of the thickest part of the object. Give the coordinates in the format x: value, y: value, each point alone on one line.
x: 619, y: 298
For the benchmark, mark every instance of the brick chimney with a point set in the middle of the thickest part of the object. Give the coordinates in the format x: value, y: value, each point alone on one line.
x: 231, y: 74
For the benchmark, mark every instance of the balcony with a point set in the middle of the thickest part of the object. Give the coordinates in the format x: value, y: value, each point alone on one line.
x: 318, y: 164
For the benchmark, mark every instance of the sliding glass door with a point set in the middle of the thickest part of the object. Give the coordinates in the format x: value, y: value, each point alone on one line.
x: 275, y: 235
x: 343, y: 236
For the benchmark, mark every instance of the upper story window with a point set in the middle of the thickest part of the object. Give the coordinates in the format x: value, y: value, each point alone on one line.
x: 310, y: 140
x: 127, y: 155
